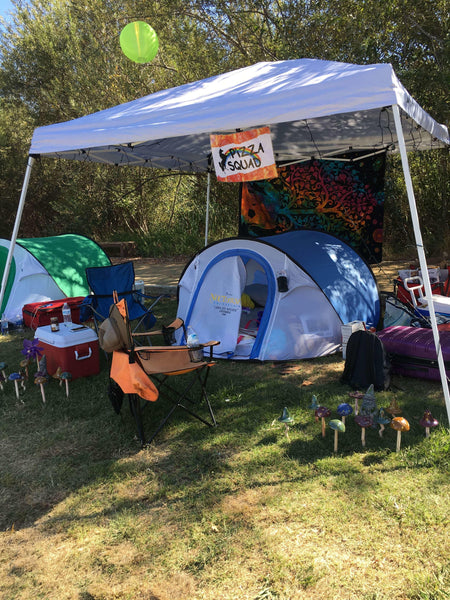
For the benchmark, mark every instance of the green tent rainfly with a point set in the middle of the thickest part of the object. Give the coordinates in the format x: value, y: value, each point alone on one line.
x: 48, y: 268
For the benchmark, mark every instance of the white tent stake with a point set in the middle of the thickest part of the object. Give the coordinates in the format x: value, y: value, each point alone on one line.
x: 421, y: 254
x: 16, y: 227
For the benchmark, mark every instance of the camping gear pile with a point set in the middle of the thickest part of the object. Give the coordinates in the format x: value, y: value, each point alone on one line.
x: 313, y: 108
x: 407, y: 336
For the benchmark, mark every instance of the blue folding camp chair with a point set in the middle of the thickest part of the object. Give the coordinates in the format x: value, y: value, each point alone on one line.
x: 103, y: 282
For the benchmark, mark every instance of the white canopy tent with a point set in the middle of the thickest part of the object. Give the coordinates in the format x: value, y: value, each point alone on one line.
x: 313, y: 107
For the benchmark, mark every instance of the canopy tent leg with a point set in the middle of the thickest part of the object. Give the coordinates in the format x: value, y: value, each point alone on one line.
x: 421, y: 254
x: 16, y: 227
x: 208, y: 191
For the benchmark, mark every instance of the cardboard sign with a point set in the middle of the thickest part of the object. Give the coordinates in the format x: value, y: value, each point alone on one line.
x: 244, y: 155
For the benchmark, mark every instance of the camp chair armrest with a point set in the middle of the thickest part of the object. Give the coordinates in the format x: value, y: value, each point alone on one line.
x: 170, y: 329
x: 151, y: 349
x: 176, y: 324
x: 210, y: 346
x: 145, y: 333
x: 140, y: 296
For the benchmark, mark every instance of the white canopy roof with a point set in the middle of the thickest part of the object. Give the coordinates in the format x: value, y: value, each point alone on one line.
x: 313, y: 107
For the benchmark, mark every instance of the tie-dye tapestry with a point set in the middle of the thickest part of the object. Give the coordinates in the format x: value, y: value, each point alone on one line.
x: 345, y: 199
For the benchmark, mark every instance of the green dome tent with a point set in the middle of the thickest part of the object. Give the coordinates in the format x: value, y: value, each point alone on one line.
x: 47, y: 268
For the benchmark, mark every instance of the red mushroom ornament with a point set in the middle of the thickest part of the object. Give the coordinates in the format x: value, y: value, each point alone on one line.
x: 399, y: 424
x: 321, y: 413
x: 363, y: 421
x: 357, y: 395
x: 428, y: 421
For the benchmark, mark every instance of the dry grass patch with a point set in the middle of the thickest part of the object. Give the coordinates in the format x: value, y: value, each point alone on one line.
x: 239, y: 512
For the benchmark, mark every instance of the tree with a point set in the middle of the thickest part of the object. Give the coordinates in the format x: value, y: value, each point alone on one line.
x: 61, y: 59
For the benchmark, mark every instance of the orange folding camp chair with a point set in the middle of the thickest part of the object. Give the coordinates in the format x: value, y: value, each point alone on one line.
x: 146, y: 373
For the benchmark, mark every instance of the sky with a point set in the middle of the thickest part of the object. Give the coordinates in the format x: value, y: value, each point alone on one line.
x: 5, y: 7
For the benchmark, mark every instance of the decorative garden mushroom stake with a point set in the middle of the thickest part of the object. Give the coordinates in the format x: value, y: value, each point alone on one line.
x: 32, y: 350
x: 24, y: 364
x: 66, y: 377
x: 40, y: 380
x: 369, y: 404
x: 321, y: 413
x: 16, y: 377
x: 337, y: 426
x: 357, y: 395
x: 428, y: 421
x: 382, y: 420
x: 399, y: 424
x: 363, y: 421
x: 314, y: 404
x: 285, y: 418
x: 393, y: 409
x: 343, y: 410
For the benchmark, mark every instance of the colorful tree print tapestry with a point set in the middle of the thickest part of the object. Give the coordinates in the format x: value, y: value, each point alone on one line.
x: 345, y: 199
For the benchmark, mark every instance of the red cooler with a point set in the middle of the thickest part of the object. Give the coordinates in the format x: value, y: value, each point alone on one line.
x: 74, y: 348
x: 37, y: 314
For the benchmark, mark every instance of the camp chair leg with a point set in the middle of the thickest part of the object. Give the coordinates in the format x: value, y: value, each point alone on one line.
x: 162, y: 423
x: 136, y: 411
x: 204, y: 395
x: 178, y: 401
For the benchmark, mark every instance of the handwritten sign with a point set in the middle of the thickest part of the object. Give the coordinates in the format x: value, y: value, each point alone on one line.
x: 244, y: 155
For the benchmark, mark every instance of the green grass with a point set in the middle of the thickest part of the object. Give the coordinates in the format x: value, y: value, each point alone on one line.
x: 241, y: 511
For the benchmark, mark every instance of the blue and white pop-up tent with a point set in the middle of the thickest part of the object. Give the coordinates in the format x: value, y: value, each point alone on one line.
x: 277, y: 298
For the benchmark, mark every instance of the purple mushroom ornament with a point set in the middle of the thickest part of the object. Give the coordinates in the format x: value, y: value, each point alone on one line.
x: 321, y: 413
x: 363, y: 421
x: 428, y: 421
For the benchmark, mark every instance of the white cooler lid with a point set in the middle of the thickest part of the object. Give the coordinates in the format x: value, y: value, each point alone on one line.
x: 69, y: 334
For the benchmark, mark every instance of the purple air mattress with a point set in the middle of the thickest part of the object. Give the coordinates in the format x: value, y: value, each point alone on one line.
x: 412, y: 351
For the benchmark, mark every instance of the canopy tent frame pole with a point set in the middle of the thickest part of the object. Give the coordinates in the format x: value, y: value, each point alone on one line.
x: 421, y: 254
x: 208, y: 191
x: 12, y: 245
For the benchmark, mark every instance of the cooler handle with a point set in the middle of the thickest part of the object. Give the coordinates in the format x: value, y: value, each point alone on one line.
x: 77, y: 357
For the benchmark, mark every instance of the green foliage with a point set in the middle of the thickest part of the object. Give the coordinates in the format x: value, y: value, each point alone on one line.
x: 61, y: 59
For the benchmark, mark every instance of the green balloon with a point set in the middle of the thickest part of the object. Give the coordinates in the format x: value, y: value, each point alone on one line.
x: 139, y: 42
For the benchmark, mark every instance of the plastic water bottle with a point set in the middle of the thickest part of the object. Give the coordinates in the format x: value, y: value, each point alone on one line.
x: 195, y: 349
x: 18, y: 322
x: 5, y: 325
x: 192, y: 338
x: 67, y: 316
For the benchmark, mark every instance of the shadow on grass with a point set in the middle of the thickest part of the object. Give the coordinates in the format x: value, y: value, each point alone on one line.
x: 70, y: 447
